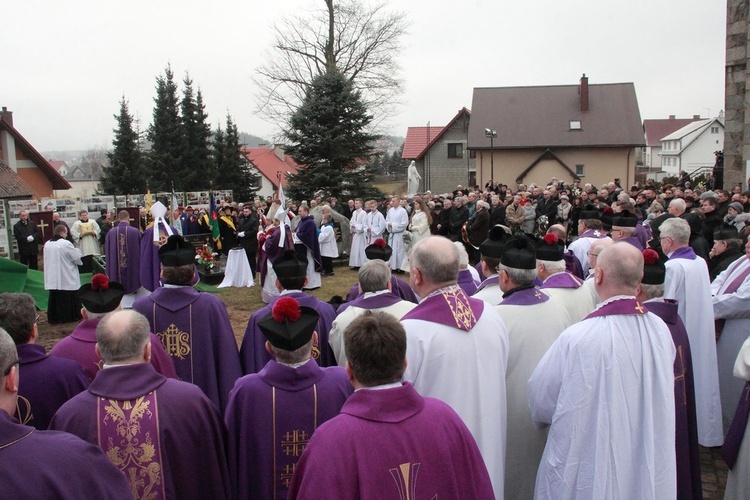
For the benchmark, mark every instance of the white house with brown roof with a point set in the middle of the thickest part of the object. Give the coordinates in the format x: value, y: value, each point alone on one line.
x: 692, y: 147
x: 656, y: 130
x: 587, y: 132
x: 441, y: 154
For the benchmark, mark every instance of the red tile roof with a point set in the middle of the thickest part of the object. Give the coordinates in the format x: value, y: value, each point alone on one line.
x: 269, y: 164
x: 656, y: 130
x: 11, y: 184
x: 57, y: 180
x: 56, y: 164
x: 432, y: 138
x: 417, y: 140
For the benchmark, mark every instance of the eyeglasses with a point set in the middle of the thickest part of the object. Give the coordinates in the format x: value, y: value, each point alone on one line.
x: 592, y: 254
x: 7, y: 370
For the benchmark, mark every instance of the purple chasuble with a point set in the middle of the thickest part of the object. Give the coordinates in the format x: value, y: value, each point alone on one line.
x: 572, y: 264
x: 641, y: 235
x: 451, y: 307
x: 270, y: 250
x: 194, y: 330
x: 52, y: 464
x: 686, y: 423
x: 733, y: 440
x: 466, y: 282
x: 270, y: 418
x: 524, y: 296
x: 561, y: 280
x: 123, y: 254
x: 307, y: 233
x: 683, y: 253
x: 398, y: 287
x: 79, y: 346
x: 619, y: 306
x: 150, y: 264
x: 373, y: 302
x: 392, y: 443
x: 164, y: 435
x: 253, y: 354
x: 633, y: 241
x: 45, y: 384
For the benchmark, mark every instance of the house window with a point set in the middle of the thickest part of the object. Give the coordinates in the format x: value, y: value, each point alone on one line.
x: 580, y: 172
x: 455, y: 150
x: 714, y: 130
x: 575, y: 124
x: 472, y: 153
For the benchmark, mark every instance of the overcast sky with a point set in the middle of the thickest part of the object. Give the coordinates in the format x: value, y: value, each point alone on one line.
x: 64, y: 65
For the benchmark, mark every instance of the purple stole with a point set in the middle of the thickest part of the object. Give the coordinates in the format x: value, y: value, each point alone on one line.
x: 466, y: 282
x: 562, y: 280
x: 733, y: 440
x: 635, y: 242
x: 488, y: 281
x: 618, y: 307
x: 451, y: 308
x: 399, y: 288
x: 733, y: 286
x: 572, y: 265
x: 683, y: 253
x: 593, y: 233
x: 524, y: 296
x: 374, y: 302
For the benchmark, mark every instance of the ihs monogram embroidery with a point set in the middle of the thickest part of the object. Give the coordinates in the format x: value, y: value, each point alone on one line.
x: 175, y: 342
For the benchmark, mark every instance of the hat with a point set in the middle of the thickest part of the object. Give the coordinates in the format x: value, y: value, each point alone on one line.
x: 589, y: 212
x: 625, y: 219
x: 737, y: 206
x: 495, y: 242
x: 726, y: 232
x: 180, y: 207
x: 290, y: 265
x: 288, y: 326
x: 606, y: 217
x: 654, y: 270
x: 564, y: 197
x: 549, y: 248
x: 227, y: 207
x: 519, y: 253
x: 189, y: 207
x: 101, y: 295
x: 592, y: 191
x: 176, y: 252
x: 379, y: 249
x: 708, y: 194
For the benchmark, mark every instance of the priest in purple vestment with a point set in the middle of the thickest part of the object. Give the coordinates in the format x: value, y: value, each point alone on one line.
x: 99, y: 298
x: 291, y: 270
x: 123, y: 253
x: 379, y: 249
x: 47, y: 382
x: 623, y: 229
x: 150, y: 264
x: 388, y: 441
x: 165, y: 436
x: 651, y: 294
x: 272, y: 414
x: 193, y: 327
x: 47, y: 464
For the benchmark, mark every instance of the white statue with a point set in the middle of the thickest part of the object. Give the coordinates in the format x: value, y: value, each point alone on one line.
x: 414, y: 178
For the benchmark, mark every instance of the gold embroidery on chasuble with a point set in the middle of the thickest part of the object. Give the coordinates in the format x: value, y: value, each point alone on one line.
x: 405, y: 476
x: 23, y: 410
x: 129, y: 435
x: 679, y: 377
x: 292, y: 444
x: 460, y: 308
x: 122, y: 250
x: 175, y: 342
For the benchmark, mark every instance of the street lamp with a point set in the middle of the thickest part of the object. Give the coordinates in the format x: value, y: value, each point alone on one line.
x: 488, y: 132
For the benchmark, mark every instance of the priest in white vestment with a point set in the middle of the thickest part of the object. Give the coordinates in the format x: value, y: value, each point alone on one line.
x: 85, y: 233
x: 396, y: 223
x: 374, y: 280
x: 534, y: 322
x: 457, y: 350
x: 731, y: 301
x: 687, y: 283
x: 357, y: 228
x: 589, y: 230
x: 606, y: 388
x: 490, y: 252
x: 558, y: 283
x: 374, y: 223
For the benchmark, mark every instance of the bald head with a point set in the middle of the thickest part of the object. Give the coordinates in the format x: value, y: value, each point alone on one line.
x: 436, y: 260
x: 122, y: 337
x: 619, y: 270
x: 596, y: 248
x: 559, y: 231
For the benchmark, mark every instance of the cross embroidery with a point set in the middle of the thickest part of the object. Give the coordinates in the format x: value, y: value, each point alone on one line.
x: 639, y: 308
x: 294, y: 443
x: 537, y: 295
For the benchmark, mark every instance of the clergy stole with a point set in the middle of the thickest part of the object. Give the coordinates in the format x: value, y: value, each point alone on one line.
x: 128, y: 432
x: 733, y: 440
x: 86, y: 228
x: 733, y: 287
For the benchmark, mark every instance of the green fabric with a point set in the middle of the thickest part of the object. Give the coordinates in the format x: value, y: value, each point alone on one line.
x: 18, y: 278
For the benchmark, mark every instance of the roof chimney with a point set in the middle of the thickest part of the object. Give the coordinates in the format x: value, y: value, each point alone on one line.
x: 7, y: 116
x: 584, y: 91
x: 672, y: 117
x: 696, y: 117
x: 279, y: 150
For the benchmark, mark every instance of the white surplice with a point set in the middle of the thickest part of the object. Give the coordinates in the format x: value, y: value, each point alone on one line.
x: 606, y: 386
x: 374, y: 226
x: 467, y: 371
x: 396, y: 222
x: 578, y: 302
x: 88, y: 243
x: 489, y: 291
x: 687, y: 282
x: 61, y: 261
x: 357, y: 225
x: 419, y: 228
x: 738, y: 482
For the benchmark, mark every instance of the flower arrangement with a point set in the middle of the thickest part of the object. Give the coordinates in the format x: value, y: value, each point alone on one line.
x: 206, y: 257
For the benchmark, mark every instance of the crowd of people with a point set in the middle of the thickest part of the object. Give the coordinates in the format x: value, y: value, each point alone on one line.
x: 558, y: 341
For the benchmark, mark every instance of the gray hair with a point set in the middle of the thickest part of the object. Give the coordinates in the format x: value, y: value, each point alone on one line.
x: 374, y: 276
x: 122, y: 335
x: 675, y: 228
x: 552, y: 266
x: 436, y: 269
x: 8, y: 353
x: 679, y: 204
x: 463, y: 257
x: 519, y: 276
x: 652, y: 291
x: 291, y: 357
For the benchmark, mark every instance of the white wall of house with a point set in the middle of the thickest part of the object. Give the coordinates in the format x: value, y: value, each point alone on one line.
x: 693, y: 151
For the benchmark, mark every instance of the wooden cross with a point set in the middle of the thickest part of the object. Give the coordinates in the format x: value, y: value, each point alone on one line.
x: 42, y: 225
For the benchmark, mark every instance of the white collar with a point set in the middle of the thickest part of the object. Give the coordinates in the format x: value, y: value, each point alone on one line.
x: 380, y: 387
x: 375, y: 294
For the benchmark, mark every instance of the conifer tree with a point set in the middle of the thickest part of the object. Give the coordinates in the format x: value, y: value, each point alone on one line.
x: 165, y: 134
x: 329, y: 139
x: 126, y: 172
x: 195, y: 157
x: 233, y: 167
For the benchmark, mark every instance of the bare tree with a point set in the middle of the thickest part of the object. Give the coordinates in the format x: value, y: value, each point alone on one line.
x: 359, y: 40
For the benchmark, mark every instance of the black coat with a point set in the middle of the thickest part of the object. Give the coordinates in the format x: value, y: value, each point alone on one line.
x: 250, y: 227
x: 719, y: 264
x: 457, y: 218
x: 21, y: 232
